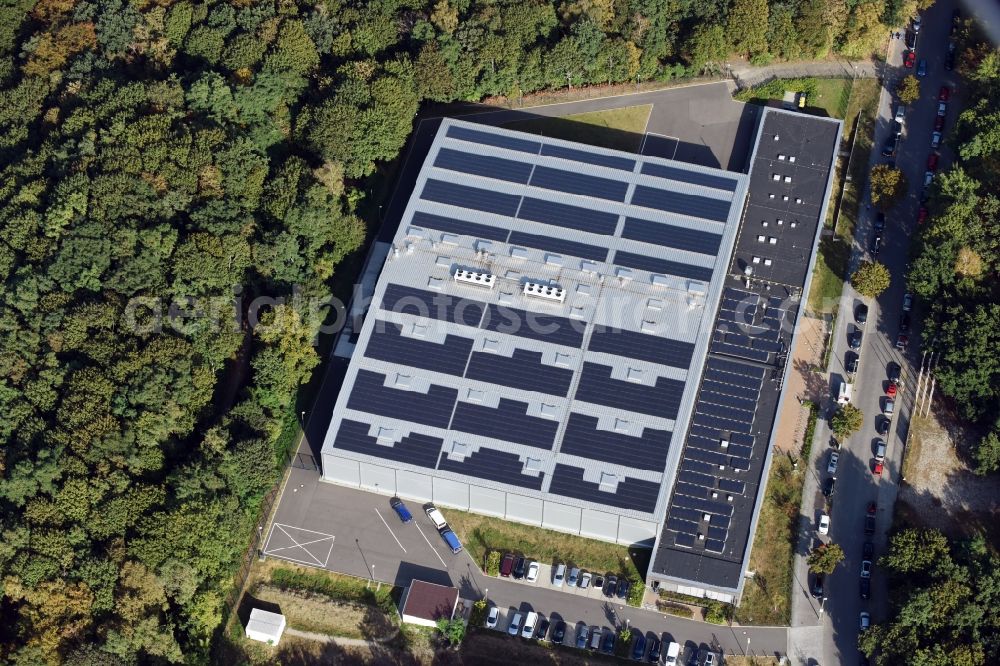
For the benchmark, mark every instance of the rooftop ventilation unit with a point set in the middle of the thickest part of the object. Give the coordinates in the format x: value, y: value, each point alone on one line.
x: 479, y: 279
x: 557, y: 294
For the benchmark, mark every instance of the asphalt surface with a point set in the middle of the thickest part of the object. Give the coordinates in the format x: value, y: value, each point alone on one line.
x: 856, y: 485
x: 356, y: 532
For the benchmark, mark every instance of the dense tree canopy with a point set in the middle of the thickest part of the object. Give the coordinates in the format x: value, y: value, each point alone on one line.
x: 957, y: 261
x: 162, y: 159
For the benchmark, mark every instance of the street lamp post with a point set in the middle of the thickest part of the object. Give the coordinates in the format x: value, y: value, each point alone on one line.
x: 486, y: 593
x: 747, y: 651
x: 821, y: 602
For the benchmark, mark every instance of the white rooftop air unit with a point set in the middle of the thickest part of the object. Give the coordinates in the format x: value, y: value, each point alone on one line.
x: 557, y: 294
x: 479, y: 279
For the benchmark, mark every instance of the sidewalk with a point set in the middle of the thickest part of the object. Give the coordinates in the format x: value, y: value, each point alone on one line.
x: 747, y: 75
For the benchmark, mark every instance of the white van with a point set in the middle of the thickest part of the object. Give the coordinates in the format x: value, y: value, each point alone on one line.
x: 845, y: 393
x: 672, y: 653
x: 559, y: 576
x: 439, y: 522
x: 515, y: 625
x: 529, y: 625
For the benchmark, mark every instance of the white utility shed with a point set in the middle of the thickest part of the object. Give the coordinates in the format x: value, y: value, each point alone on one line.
x: 265, y: 626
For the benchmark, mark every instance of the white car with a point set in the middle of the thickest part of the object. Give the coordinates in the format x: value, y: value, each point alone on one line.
x: 907, y: 302
x: 559, y: 576
x: 866, y: 569
x: 831, y: 468
x: 493, y: 617
x: 824, y: 524
x: 515, y: 625
x: 529, y: 625
x: 900, y: 113
x: 532, y: 574
x: 928, y: 178
x: 865, y: 621
x: 942, y: 109
x: 935, y: 139
x: 584, y: 580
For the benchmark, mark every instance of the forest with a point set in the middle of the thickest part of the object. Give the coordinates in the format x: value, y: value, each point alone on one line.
x: 165, y: 163
x: 955, y: 271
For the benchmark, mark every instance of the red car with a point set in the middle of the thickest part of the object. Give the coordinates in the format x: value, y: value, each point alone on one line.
x: 932, y: 162
x: 944, y: 94
x: 872, y: 508
x: 909, y: 59
x: 938, y: 123
x: 922, y: 215
x: 877, y: 470
x: 891, y: 390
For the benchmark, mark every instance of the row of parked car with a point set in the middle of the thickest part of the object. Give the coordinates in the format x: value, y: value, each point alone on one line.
x: 435, y: 516
x: 648, y: 648
x: 520, y: 567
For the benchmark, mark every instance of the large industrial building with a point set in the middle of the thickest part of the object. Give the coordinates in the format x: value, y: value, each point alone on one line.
x: 588, y: 340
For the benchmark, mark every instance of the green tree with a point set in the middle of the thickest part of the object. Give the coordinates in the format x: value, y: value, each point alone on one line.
x: 846, y: 421
x: 452, y: 630
x: 782, y: 35
x: 987, y: 454
x: 824, y: 558
x: 888, y: 186
x: 707, y: 44
x: 908, y: 90
x: 747, y: 26
x: 871, y: 279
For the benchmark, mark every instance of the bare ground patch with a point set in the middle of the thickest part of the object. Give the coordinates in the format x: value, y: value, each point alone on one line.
x: 317, y: 612
x: 939, y: 489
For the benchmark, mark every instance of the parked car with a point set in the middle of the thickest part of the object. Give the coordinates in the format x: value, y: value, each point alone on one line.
x: 928, y: 178
x: 922, y: 212
x: 865, y: 621
x: 866, y: 569
x: 904, y: 322
x: 520, y: 566
x: 653, y: 656
x: 816, y: 588
x: 856, y: 338
x: 543, y: 628
x: 882, y: 426
x: 436, y: 517
x: 492, y: 617
x: 879, y: 449
x: 608, y: 645
x: 582, y: 634
x: 672, y: 652
x: 867, y: 550
x: 865, y: 588
x: 559, y: 632
x: 515, y: 624
x: 878, y: 226
x: 829, y: 486
x: 622, y: 591
x: 532, y: 575
x: 944, y: 94
x: 932, y: 162
x: 706, y: 657
x: 831, y: 467
x: 889, y: 147
x: 595, y: 637
x: 507, y: 565
x: 400, y: 509
x: 610, y: 586
x: 935, y: 140
x: 891, y: 389
x: 892, y: 370
x: 876, y: 244
x: 852, y: 363
x: 559, y: 575
x: 599, y: 582
x: 907, y: 302
x: 869, y: 524
x: 888, y: 407
x: 585, y: 580
x: 861, y: 314
x: 916, y: 23
x: 902, y: 340
x: 574, y: 575
x: 922, y: 68
x: 639, y: 648
x: 824, y: 524
x: 452, y: 540
x: 949, y: 60
x: 878, y: 467
x: 528, y: 631
x: 939, y: 124
x: 910, y: 57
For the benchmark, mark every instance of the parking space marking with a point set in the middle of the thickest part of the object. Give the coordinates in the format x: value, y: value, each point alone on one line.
x: 388, y: 528
x: 431, y: 546
x: 286, y: 530
x: 666, y: 137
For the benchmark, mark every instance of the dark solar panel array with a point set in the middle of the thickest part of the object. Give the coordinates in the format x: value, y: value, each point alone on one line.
x: 490, y: 139
x: 508, y: 421
x: 653, y: 265
x: 688, y: 176
x: 433, y: 305
x: 413, y: 449
x: 588, y: 157
x: 461, y: 227
x: 493, y: 465
x: 371, y: 395
x: 579, y: 183
x: 744, y: 330
x: 570, y: 217
x: 476, y: 198
x: 633, y: 494
x: 693, y: 205
x: 597, y: 386
x: 483, y: 165
x: 582, y: 438
x: 669, y: 235
x: 387, y: 344
x: 559, y: 245
x: 545, y: 328
x: 724, y: 409
x: 524, y: 370
x: 642, y: 346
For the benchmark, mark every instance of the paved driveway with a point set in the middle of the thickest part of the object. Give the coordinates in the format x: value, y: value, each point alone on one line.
x: 856, y: 484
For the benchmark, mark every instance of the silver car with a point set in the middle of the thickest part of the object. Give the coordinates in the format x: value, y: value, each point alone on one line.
x: 936, y: 140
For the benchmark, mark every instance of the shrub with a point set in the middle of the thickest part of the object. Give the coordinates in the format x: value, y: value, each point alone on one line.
x: 493, y: 563
x: 636, y: 590
x: 671, y: 608
x: 335, y: 587
x: 717, y: 612
x: 477, y: 616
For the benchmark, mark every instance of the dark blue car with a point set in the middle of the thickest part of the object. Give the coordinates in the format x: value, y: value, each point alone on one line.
x: 639, y: 648
x: 400, y: 509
